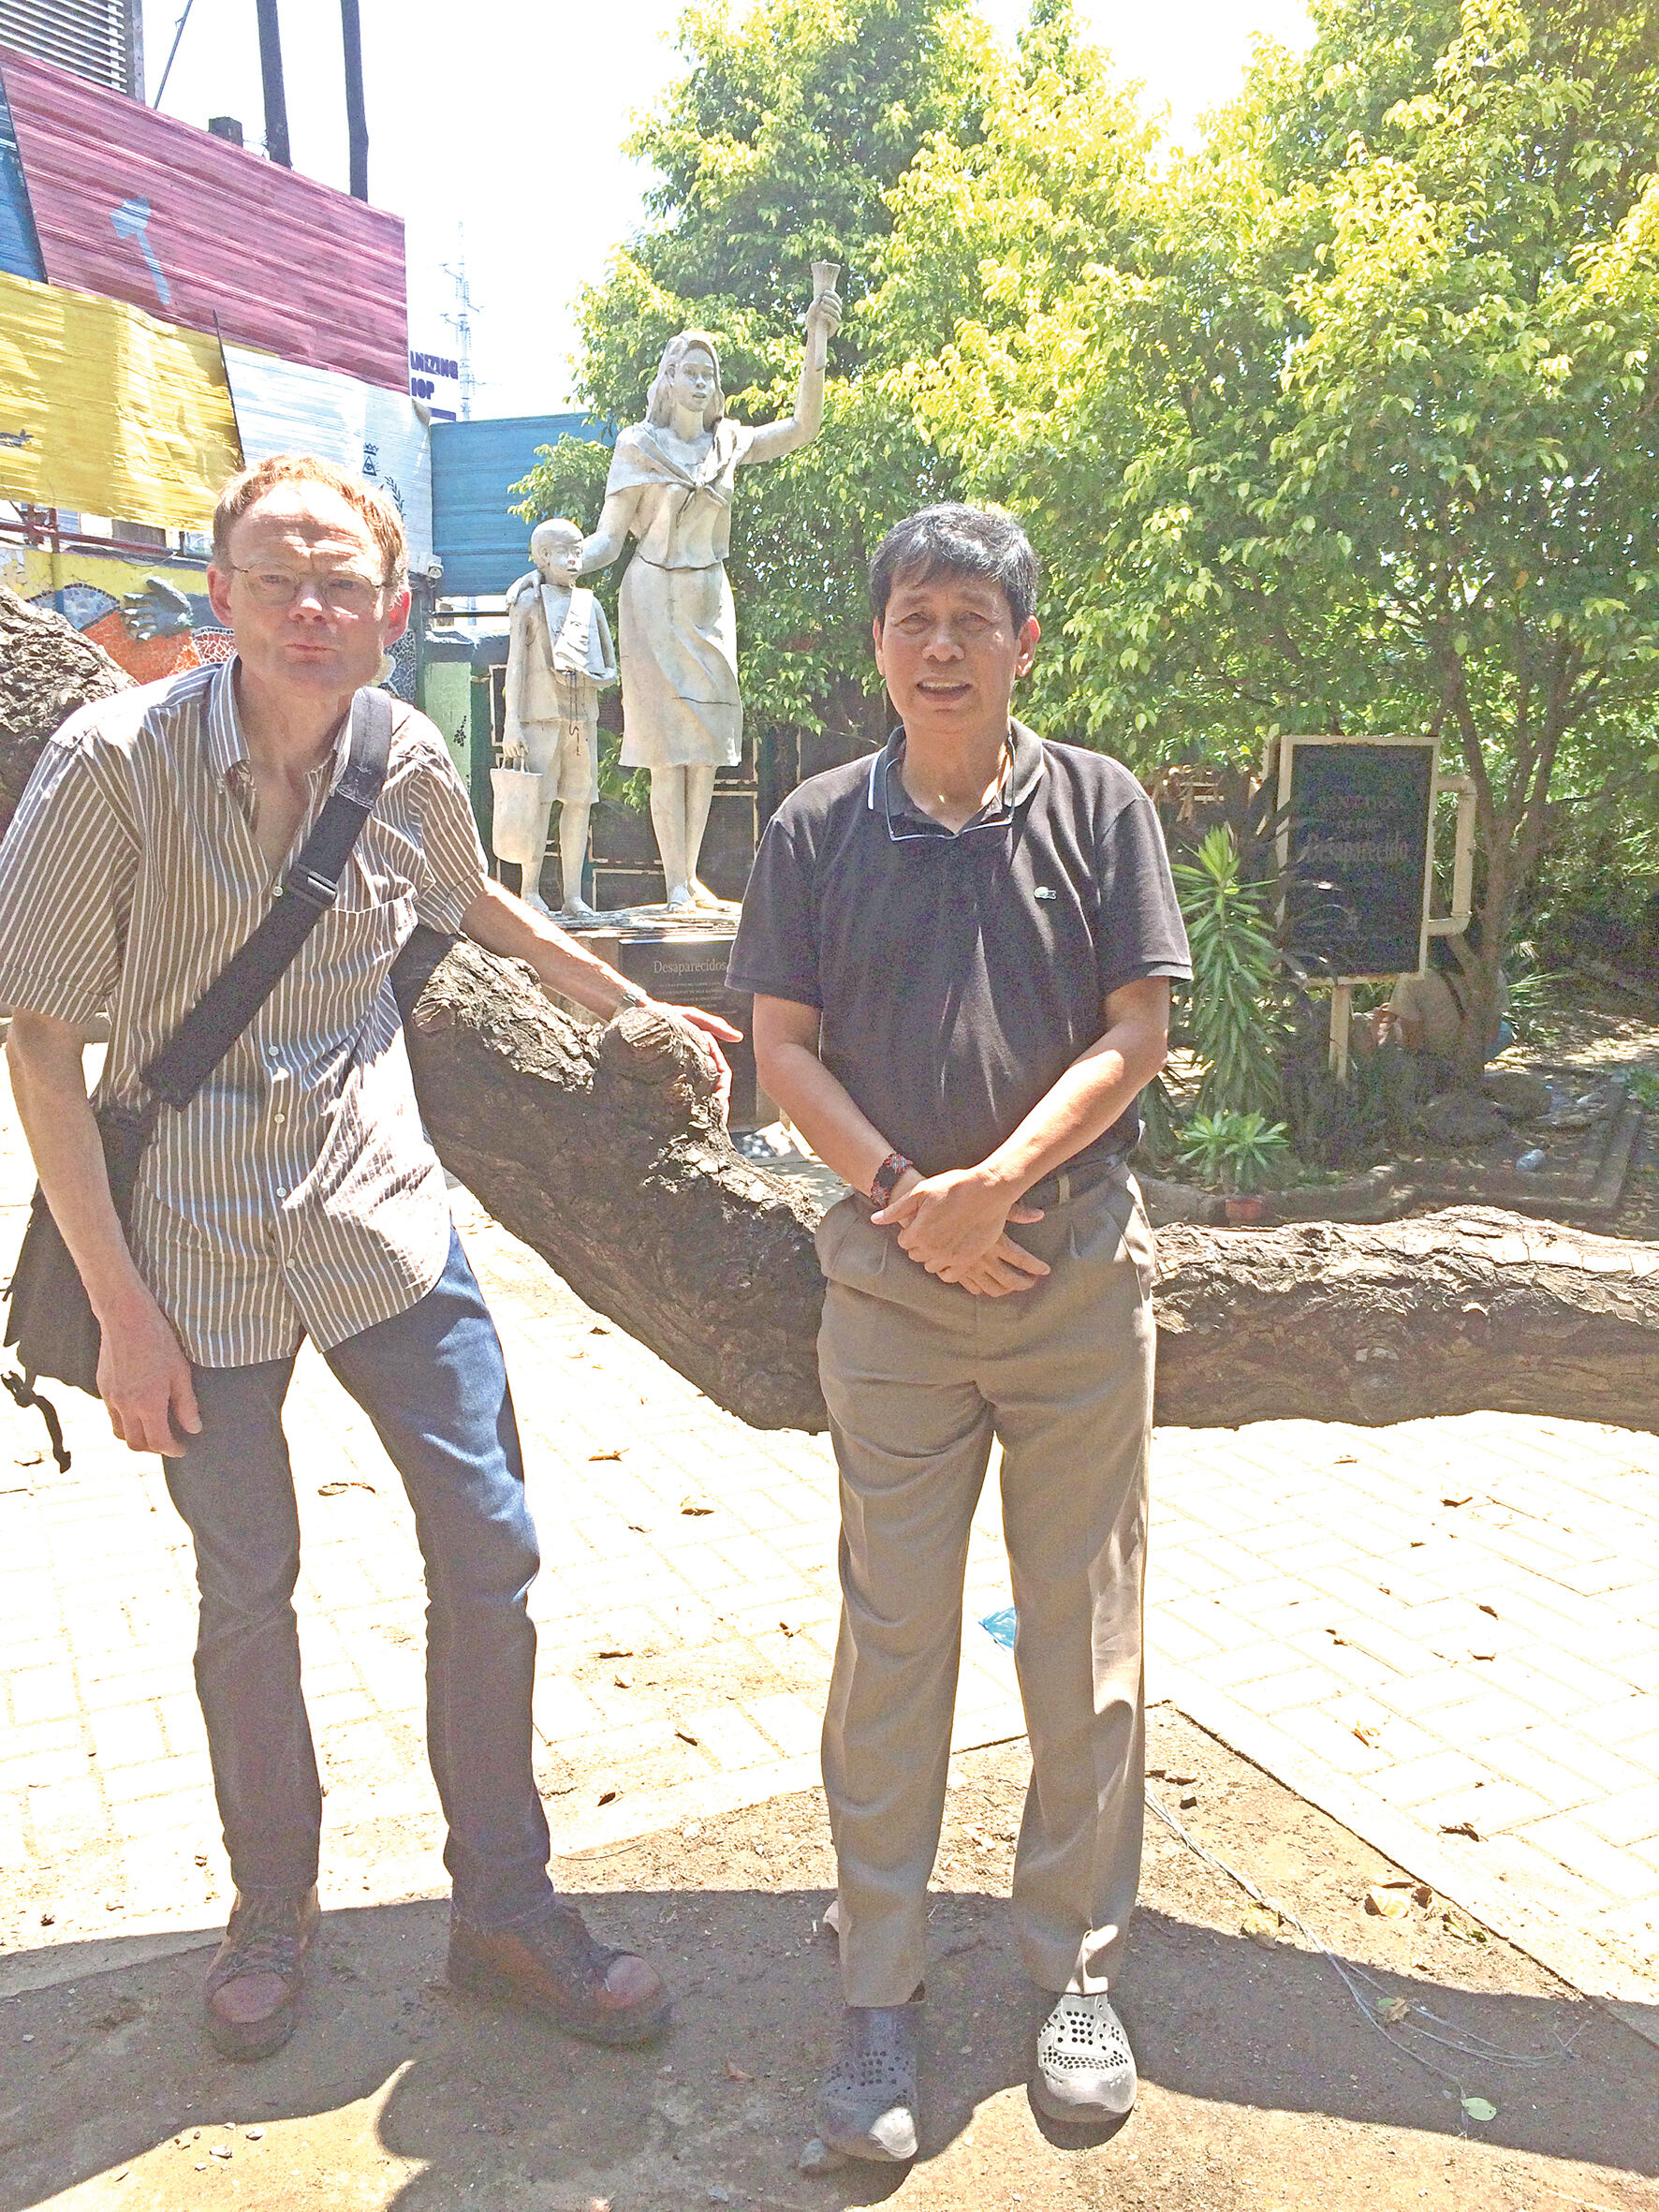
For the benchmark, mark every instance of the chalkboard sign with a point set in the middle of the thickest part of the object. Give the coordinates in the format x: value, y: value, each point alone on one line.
x: 1358, y: 819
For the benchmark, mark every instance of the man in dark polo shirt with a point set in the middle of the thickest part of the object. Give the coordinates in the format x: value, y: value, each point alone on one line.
x: 959, y: 954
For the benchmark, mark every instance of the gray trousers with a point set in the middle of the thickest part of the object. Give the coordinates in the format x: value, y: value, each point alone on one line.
x: 919, y: 1377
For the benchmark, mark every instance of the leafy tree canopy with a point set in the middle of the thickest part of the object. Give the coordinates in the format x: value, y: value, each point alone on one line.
x: 1356, y: 428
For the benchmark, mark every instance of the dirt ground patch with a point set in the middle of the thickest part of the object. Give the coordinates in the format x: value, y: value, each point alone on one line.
x: 1263, y: 2086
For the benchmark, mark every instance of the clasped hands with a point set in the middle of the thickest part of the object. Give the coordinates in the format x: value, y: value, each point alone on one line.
x: 955, y: 1225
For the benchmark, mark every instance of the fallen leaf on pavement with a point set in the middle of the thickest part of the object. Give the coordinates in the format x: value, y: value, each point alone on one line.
x: 1388, y: 1900
x: 1467, y: 1499
x: 1261, y: 1927
x: 1393, y: 2009
x: 608, y: 1796
x: 1492, y: 1609
x: 695, y: 1506
x: 616, y: 1651
x: 1460, y: 1828
x: 1464, y: 1930
x: 686, y: 1735
x: 1480, y: 2108
x: 617, y: 1454
x: 1370, y: 1737
x: 622, y: 1681
x: 339, y: 1489
x: 735, y: 2073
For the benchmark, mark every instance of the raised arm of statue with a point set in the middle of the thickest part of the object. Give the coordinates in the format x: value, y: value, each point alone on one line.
x: 773, y: 440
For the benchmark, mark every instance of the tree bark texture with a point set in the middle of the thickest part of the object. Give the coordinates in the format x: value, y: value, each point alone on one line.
x: 47, y: 670
x: 603, y: 1151
x: 1465, y: 1311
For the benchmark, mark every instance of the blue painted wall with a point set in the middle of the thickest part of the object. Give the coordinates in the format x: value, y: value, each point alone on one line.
x: 481, y: 542
x: 19, y: 249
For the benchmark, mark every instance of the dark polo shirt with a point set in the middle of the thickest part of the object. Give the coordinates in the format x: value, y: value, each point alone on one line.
x: 960, y: 974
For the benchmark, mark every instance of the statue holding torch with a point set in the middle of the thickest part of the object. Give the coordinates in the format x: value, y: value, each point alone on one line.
x: 670, y: 488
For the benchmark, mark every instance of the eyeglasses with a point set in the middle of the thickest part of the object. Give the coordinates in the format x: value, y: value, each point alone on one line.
x: 347, y: 593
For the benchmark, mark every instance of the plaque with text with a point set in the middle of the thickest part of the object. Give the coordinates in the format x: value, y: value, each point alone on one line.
x: 1357, y: 817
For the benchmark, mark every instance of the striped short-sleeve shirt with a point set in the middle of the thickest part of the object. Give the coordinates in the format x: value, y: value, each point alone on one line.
x: 298, y: 1193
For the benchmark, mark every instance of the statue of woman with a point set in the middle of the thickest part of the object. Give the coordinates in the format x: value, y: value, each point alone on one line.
x: 670, y: 488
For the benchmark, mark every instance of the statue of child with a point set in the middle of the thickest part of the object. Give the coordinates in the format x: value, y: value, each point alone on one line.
x: 559, y: 656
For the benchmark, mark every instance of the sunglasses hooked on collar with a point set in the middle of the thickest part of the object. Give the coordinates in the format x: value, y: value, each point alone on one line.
x: 997, y: 817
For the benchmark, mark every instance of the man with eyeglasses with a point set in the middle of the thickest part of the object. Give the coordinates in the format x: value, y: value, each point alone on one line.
x: 298, y: 1195
x: 960, y: 954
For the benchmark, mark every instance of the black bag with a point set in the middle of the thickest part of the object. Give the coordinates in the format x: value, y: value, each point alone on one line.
x: 50, y: 1319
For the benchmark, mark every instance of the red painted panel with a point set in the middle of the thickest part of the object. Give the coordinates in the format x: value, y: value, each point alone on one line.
x: 146, y: 208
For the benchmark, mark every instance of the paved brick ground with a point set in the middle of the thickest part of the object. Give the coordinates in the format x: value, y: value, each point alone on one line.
x: 1443, y: 1625
x: 1447, y: 1633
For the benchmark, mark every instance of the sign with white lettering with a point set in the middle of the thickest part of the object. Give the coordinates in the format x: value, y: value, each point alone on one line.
x: 1355, y: 851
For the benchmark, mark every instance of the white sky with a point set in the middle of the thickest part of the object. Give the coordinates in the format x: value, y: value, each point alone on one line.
x: 504, y: 120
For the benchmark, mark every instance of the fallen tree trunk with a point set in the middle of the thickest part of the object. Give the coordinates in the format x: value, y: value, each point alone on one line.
x: 47, y: 670
x: 602, y: 1152
x: 1465, y: 1311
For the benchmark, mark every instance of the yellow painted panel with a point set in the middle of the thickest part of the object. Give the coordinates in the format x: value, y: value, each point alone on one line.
x: 30, y: 570
x: 107, y: 411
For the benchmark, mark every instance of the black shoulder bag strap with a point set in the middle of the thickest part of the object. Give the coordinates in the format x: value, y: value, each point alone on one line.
x: 50, y: 1318
x: 305, y: 895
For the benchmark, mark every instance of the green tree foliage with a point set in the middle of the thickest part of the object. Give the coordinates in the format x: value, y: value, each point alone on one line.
x: 1352, y: 423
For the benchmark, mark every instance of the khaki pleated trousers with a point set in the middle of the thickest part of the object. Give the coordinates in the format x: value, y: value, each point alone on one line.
x: 919, y: 1377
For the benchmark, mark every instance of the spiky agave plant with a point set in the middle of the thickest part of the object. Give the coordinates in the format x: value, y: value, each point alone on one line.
x: 1236, y: 1017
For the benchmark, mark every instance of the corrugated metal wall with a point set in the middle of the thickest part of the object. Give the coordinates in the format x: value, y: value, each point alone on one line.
x: 282, y: 407
x: 99, y: 40
x: 103, y: 409
x: 482, y: 545
x: 148, y: 209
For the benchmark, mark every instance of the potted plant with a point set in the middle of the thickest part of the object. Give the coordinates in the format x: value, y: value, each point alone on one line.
x: 1233, y: 1153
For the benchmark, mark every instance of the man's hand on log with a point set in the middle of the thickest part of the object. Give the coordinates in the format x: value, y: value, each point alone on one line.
x: 710, y: 1031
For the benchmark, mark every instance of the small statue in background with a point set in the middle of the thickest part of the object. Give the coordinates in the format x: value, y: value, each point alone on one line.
x: 559, y: 657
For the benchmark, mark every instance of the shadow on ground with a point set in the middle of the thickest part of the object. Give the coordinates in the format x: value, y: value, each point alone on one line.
x: 1264, y: 2083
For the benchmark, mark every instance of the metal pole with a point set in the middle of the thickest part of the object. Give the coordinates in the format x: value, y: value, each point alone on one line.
x: 276, y: 103
x: 172, y: 54
x: 356, y: 123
